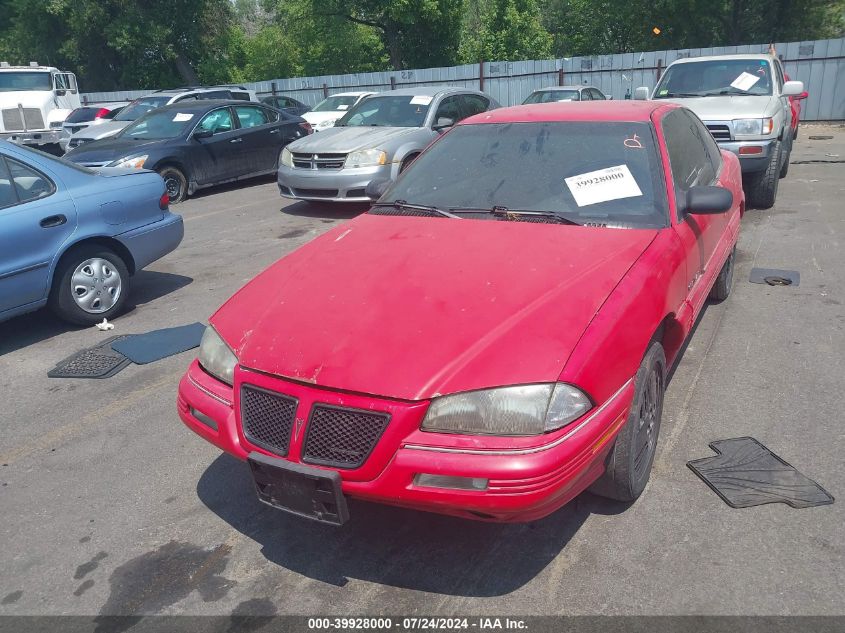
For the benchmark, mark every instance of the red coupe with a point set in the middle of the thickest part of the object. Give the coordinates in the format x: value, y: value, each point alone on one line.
x: 493, y: 336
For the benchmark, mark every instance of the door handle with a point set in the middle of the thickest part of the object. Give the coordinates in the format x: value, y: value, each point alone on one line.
x: 237, y: 140
x: 276, y: 131
x: 53, y: 220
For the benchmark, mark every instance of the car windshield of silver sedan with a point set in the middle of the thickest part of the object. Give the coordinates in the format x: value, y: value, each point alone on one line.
x: 334, y: 104
x: 716, y: 78
x: 552, y: 96
x: 598, y: 173
x: 140, y: 107
x: 159, y: 125
x: 388, y: 111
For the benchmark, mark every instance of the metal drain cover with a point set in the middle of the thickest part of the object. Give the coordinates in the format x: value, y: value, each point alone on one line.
x: 100, y: 361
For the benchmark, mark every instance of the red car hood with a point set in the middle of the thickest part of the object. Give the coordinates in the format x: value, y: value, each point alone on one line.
x: 410, y: 308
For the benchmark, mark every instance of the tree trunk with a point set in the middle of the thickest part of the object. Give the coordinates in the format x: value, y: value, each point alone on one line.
x: 393, y: 45
x: 183, y: 66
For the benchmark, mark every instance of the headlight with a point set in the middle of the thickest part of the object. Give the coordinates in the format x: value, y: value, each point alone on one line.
x: 520, y: 410
x: 752, y: 127
x: 216, y: 357
x: 366, y: 158
x: 136, y: 162
x: 287, y: 158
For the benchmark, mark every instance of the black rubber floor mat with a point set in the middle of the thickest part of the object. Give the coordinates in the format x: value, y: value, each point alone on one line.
x: 100, y: 361
x: 146, y: 348
x: 745, y: 473
x: 774, y: 277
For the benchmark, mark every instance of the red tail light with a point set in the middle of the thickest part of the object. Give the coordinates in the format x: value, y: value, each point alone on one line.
x: 101, y: 113
x: 305, y: 125
x: 164, y: 201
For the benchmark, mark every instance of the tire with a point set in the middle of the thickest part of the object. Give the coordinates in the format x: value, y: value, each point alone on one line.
x: 762, y: 188
x: 787, y: 155
x: 795, y: 133
x: 71, y: 291
x: 722, y: 288
x: 630, y: 460
x: 407, y: 162
x: 175, y: 182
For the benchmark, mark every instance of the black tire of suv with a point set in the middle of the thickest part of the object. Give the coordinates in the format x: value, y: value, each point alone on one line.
x: 762, y: 188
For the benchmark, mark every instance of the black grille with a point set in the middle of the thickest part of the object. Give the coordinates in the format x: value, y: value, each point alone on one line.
x: 340, y: 437
x: 720, y: 132
x: 267, y: 418
x: 316, y: 193
x: 318, y: 161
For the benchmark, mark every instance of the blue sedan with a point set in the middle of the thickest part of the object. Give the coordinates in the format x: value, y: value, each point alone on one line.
x: 71, y: 237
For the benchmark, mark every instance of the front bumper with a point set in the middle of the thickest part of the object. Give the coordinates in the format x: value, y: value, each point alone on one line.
x: 38, y: 137
x: 334, y: 185
x: 750, y: 163
x: 153, y: 241
x: 528, y: 477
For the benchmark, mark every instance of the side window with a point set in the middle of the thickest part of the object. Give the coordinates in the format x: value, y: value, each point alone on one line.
x: 251, y: 116
x: 449, y: 108
x: 585, y: 95
x: 710, y: 145
x: 7, y: 189
x: 687, y: 154
x: 217, y: 121
x: 188, y: 98
x: 475, y: 104
x: 214, y: 94
x: 597, y: 95
x: 240, y: 96
x: 61, y: 81
x: 28, y: 183
x: 779, y: 74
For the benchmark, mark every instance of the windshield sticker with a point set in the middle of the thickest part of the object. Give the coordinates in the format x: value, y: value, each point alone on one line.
x: 183, y: 116
x: 663, y: 92
x: 633, y: 142
x: 603, y: 185
x: 343, y: 106
x: 744, y: 82
x: 421, y: 100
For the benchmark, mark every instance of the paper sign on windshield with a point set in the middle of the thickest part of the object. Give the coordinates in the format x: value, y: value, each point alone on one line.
x: 612, y: 183
x: 343, y: 106
x: 183, y: 116
x: 421, y: 100
x: 745, y: 81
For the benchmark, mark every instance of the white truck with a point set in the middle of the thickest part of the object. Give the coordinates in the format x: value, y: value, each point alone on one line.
x: 34, y: 102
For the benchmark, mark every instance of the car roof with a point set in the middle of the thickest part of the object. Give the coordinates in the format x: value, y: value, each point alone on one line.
x: 206, y: 104
x: 629, y: 111
x: 427, y: 91
x: 556, y: 88
x: 352, y: 94
x: 712, y: 58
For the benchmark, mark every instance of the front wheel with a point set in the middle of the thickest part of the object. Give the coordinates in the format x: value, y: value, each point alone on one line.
x: 630, y: 460
x: 175, y: 183
x: 91, y: 284
x: 762, y: 188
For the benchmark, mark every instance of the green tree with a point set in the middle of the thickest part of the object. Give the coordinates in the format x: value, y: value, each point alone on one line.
x: 504, y: 30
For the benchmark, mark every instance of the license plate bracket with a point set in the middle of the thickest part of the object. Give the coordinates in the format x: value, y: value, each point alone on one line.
x: 308, y: 492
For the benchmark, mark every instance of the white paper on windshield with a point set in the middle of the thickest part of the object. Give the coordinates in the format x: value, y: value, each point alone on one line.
x: 343, y: 106
x: 421, y: 100
x: 183, y: 116
x: 612, y: 183
x: 745, y: 81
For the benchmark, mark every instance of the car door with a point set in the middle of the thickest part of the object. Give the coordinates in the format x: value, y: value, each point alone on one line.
x: 262, y: 139
x: 449, y: 108
x: 216, y: 158
x: 692, y: 164
x: 37, y: 216
x: 597, y: 95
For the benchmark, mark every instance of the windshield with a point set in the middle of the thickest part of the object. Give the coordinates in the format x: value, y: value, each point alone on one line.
x: 335, y: 104
x: 552, y: 96
x: 608, y: 173
x: 716, y: 77
x: 140, y: 107
x: 11, y: 82
x: 159, y: 125
x: 388, y: 111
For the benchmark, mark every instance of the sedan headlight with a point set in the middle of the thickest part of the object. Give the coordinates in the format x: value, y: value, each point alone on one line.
x: 216, y: 357
x: 520, y: 410
x: 366, y: 158
x: 752, y: 127
x: 136, y: 162
x: 287, y: 158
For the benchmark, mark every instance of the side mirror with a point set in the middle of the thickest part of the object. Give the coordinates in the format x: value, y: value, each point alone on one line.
x: 708, y: 200
x: 61, y: 92
x: 641, y: 93
x: 376, y: 188
x: 803, y: 95
x: 442, y: 123
x: 199, y: 134
x: 793, y: 88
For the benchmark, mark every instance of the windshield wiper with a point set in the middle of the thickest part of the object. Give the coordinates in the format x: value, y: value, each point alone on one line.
x: 670, y: 95
x: 517, y: 215
x: 403, y: 205
x: 725, y: 91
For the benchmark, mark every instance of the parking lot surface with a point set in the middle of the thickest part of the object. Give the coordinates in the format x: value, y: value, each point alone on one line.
x: 111, y: 506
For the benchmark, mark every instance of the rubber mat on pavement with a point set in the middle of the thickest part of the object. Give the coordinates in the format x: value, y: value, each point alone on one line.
x: 774, y: 277
x: 146, y: 348
x: 745, y: 473
x: 100, y: 361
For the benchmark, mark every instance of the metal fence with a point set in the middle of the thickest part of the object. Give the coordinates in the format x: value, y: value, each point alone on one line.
x: 820, y: 64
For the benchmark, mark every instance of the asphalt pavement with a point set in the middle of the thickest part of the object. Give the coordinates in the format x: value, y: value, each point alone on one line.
x: 109, y: 505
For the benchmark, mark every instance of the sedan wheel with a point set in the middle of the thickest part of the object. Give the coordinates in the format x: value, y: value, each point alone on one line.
x: 175, y: 183
x: 91, y: 283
